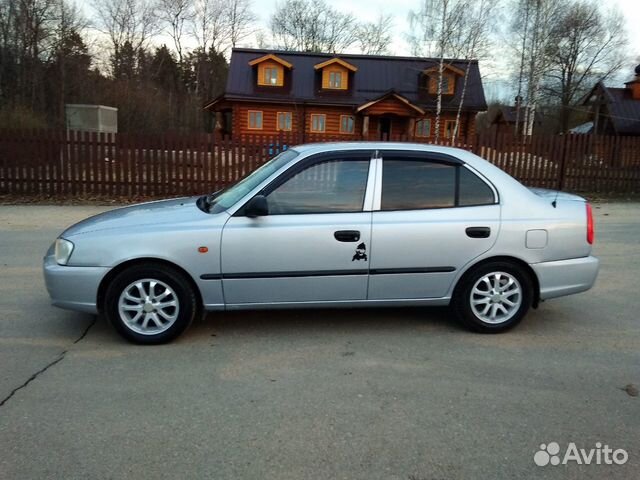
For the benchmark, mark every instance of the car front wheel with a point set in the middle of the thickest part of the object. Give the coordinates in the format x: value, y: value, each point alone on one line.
x: 150, y: 304
x: 493, y: 297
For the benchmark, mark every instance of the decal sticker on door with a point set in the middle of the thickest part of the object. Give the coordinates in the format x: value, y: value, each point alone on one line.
x: 361, y: 253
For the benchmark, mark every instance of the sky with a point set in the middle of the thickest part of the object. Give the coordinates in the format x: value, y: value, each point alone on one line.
x: 494, y: 73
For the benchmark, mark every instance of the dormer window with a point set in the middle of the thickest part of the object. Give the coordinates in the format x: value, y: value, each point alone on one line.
x: 335, y: 74
x: 271, y: 75
x: 270, y: 70
x: 335, y: 79
x: 430, y: 77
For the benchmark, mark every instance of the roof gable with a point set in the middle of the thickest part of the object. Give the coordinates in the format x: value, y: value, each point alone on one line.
x: 445, y: 67
x: 272, y: 57
x: 391, y: 96
x: 331, y: 61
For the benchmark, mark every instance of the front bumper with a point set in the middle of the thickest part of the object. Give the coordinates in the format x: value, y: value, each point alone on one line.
x: 73, y: 288
x: 566, y: 277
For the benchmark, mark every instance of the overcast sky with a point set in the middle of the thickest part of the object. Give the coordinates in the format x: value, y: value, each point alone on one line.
x: 495, y: 78
x: 494, y: 73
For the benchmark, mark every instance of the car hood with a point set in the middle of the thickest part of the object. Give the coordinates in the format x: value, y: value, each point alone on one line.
x: 150, y: 213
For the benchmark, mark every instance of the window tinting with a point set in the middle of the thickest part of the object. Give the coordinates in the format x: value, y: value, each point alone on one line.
x: 416, y: 184
x: 473, y: 190
x: 328, y: 187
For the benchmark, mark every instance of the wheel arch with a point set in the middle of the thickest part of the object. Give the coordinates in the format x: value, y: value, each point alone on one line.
x: 121, y: 267
x: 505, y: 258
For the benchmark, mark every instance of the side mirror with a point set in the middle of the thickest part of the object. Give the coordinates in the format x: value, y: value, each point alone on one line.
x: 257, y: 207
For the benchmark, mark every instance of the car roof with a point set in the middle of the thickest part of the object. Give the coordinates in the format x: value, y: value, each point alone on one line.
x: 311, y: 148
x: 329, y: 146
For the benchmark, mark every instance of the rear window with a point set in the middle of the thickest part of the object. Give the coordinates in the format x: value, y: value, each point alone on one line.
x: 416, y: 184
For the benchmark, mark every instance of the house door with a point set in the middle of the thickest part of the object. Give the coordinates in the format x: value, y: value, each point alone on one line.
x: 385, y: 128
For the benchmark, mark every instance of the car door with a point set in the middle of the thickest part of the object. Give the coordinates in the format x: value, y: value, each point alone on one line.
x: 433, y: 214
x: 313, y: 245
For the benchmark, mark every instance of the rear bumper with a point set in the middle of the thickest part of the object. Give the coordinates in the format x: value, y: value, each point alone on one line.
x: 73, y: 288
x: 566, y: 277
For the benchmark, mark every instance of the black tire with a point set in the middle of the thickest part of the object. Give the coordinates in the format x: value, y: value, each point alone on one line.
x: 187, y: 299
x: 462, y: 297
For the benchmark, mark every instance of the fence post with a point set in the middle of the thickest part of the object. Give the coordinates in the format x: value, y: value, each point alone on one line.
x: 563, y: 162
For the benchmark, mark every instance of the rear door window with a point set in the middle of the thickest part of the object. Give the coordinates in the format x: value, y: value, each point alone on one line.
x: 418, y: 184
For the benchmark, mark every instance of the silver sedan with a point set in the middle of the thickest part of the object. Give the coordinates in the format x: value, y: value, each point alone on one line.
x: 326, y: 225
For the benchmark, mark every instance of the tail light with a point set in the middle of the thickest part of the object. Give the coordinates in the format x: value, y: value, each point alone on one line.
x: 590, y: 230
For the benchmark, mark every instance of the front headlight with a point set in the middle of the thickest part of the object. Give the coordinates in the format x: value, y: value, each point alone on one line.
x: 63, y: 251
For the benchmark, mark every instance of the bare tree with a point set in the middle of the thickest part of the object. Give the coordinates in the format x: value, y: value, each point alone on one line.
x: 374, y: 38
x: 240, y: 19
x: 473, y: 42
x: 126, y: 21
x: 437, y: 23
x: 532, y: 23
x: 587, y: 46
x: 175, y: 15
x: 312, y: 26
x: 209, y: 26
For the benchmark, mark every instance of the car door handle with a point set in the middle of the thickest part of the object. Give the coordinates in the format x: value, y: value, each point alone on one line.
x: 478, y: 232
x: 347, y: 235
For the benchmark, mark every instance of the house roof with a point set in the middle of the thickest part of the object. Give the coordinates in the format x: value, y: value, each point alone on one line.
x: 623, y: 110
x: 375, y: 76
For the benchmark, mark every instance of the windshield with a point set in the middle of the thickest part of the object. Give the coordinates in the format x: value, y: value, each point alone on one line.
x: 231, y: 195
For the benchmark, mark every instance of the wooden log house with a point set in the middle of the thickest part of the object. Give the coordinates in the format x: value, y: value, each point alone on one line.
x: 347, y: 96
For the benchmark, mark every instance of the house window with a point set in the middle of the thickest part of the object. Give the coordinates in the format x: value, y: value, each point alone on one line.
x: 347, y: 123
x: 284, y: 121
x: 449, y: 126
x: 318, y: 122
x: 448, y: 83
x: 423, y: 128
x: 335, y: 79
x: 255, y: 120
x: 271, y: 76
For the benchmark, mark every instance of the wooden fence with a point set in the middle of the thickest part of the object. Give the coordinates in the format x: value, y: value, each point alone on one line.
x: 67, y: 163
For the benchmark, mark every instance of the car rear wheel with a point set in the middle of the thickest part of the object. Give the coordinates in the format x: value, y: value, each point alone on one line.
x: 150, y: 304
x: 493, y: 297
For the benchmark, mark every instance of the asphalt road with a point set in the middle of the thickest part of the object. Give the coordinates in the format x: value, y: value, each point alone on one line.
x: 334, y: 394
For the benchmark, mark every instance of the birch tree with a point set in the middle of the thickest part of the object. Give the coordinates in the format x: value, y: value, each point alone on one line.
x: 435, y: 25
x: 473, y: 43
x: 533, y: 22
